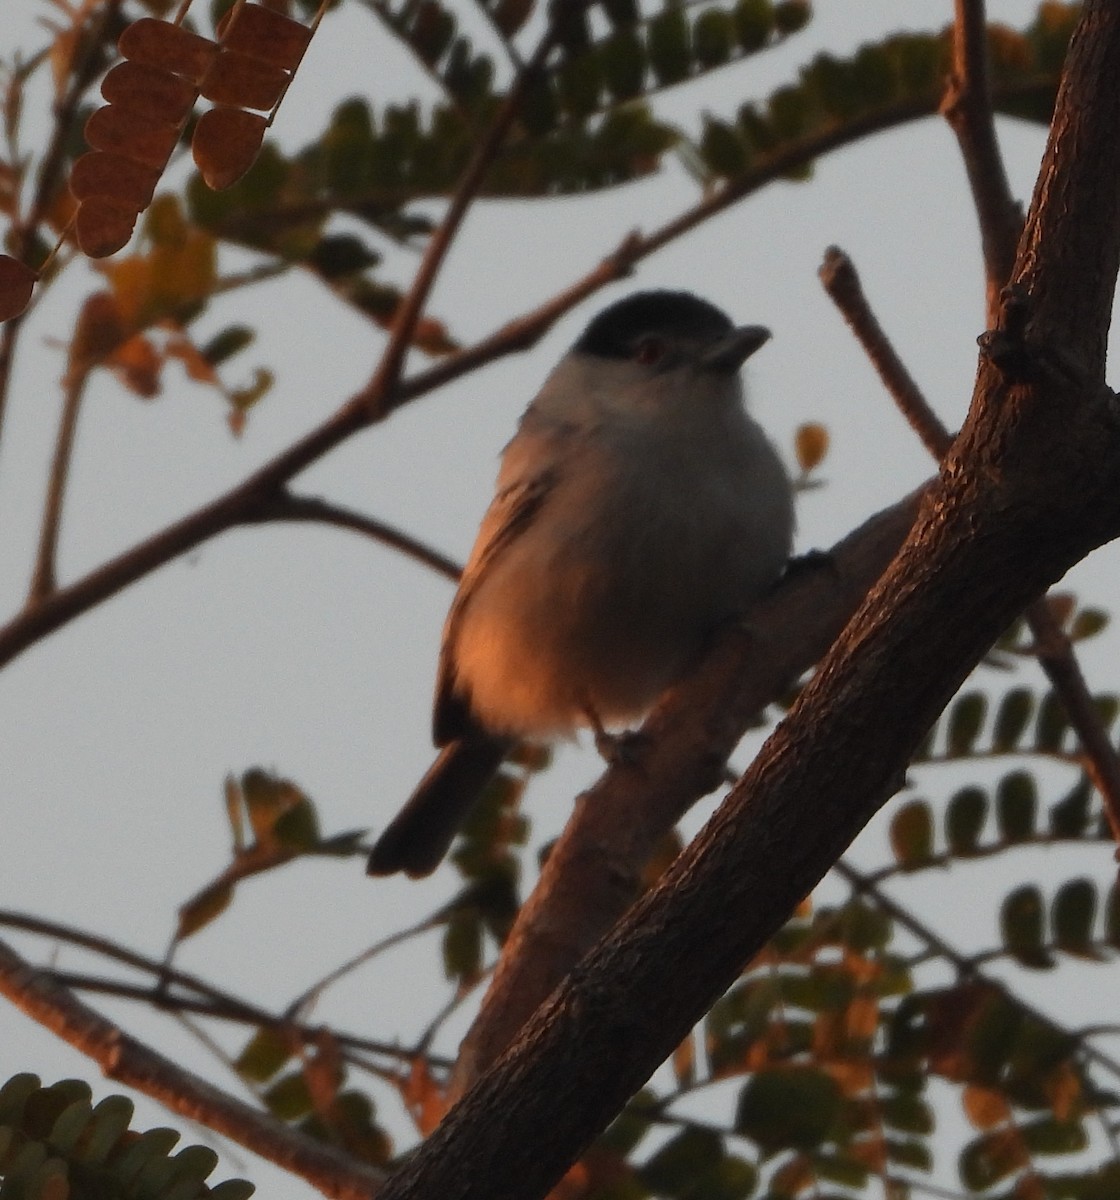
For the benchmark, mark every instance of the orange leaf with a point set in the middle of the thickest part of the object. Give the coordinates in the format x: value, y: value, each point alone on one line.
x: 985, y: 1107
x: 225, y: 145
x: 244, y: 81
x: 268, y: 36
x: 188, y: 353
x: 156, y: 91
x: 99, y: 173
x: 138, y: 363
x: 17, y: 282
x: 103, y: 226
x: 170, y: 47
x: 810, y: 444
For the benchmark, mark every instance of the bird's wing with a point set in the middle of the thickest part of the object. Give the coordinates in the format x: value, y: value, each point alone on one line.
x: 511, y: 512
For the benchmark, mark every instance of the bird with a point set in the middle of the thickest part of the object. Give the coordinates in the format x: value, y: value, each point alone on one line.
x: 637, y: 509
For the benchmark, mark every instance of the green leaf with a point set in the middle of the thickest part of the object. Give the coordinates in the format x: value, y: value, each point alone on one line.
x: 675, y: 1168
x: 1016, y: 806
x: 462, y: 946
x: 713, y: 36
x: 1070, y: 816
x: 789, y: 113
x: 298, y: 828
x: 841, y: 1169
x: 792, y: 15
x: 992, y: 1157
x: 1052, y: 724
x: 964, y: 819
x: 1021, y: 927
x: 670, y: 54
x: 911, y: 833
x: 232, y: 1189
x: 791, y: 1108
x: 622, y: 58
x: 1012, y: 716
x: 14, y: 1095
x: 288, y: 1098
x: 631, y: 1125
x: 906, y: 1112
x: 227, y: 343
x: 1050, y: 1136
x: 264, y: 1054
x: 1112, y: 916
x: 722, y: 149
x: 111, y: 1118
x: 1088, y: 623
x: 909, y: 1153
x: 966, y: 719
x: 732, y: 1178
x: 1072, y: 914
x: 754, y: 22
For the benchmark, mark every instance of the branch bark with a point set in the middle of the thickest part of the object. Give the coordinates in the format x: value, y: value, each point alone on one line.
x: 1027, y: 489
x: 593, y: 872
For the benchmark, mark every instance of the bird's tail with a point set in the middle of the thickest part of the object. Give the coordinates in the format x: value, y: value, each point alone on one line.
x: 422, y: 832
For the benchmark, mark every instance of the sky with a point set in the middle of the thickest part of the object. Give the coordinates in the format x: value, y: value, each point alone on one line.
x: 311, y: 651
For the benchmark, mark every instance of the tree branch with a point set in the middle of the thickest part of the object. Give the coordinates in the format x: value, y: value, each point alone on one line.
x: 129, y: 1061
x: 967, y: 106
x: 1027, y: 489
x: 1053, y: 648
x: 43, y: 577
x: 288, y: 507
x: 593, y: 871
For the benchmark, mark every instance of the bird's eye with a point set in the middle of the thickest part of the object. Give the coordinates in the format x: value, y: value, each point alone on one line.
x: 649, y: 351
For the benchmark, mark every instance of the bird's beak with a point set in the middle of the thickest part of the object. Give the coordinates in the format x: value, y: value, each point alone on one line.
x: 734, y: 348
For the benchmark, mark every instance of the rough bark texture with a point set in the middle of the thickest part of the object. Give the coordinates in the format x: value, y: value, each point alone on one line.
x: 1027, y: 490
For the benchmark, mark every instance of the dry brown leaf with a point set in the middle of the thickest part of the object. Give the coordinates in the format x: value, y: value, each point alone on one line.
x: 225, y: 145
x: 17, y: 282
x: 243, y: 81
x: 100, y: 330
x: 133, y: 133
x: 103, y: 226
x: 152, y: 89
x: 100, y: 173
x: 169, y: 47
x: 265, y: 35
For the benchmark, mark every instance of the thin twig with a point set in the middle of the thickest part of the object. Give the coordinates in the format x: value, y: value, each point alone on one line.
x: 412, y: 307
x: 43, y: 579
x: 1052, y: 648
x: 131, y: 1062
x: 312, y: 993
x: 288, y: 507
x: 967, y: 106
x: 238, y: 505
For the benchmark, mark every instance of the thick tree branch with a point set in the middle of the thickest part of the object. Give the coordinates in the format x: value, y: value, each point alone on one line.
x: 1027, y: 489
x: 123, y: 1058
x: 1053, y: 648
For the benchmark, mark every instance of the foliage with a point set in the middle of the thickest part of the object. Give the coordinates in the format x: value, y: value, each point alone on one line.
x: 55, y: 1144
